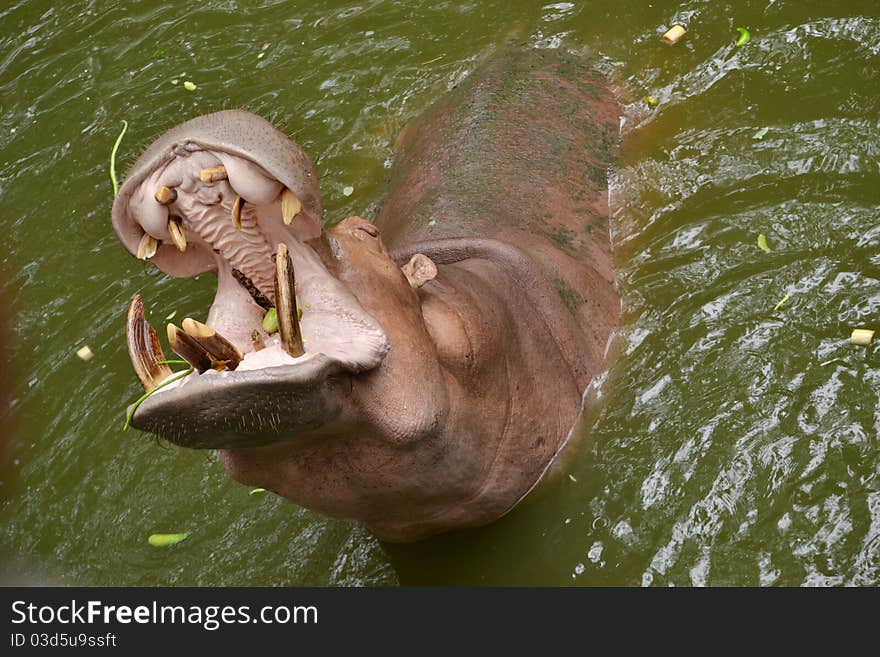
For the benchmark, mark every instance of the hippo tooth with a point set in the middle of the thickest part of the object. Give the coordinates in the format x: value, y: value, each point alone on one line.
x: 285, y: 303
x: 165, y: 195
x: 143, y: 345
x: 237, y: 206
x: 221, y: 351
x: 147, y: 247
x: 213, y: 174
x: 290, y: 206
x: 188, y: 349
x: 177, y: 234
x: 258, y: 297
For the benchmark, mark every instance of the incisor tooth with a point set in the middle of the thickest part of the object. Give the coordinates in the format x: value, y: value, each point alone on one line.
x: 143, y: 345
x: 165, y: 195
x: 285, y: 303
x: 147, y: 247
x: 237, y: 206
x: 290, y: 206
x: 213, y: 174
x: 222, y: 352
x: 188, y: 349
x: 177, y: 234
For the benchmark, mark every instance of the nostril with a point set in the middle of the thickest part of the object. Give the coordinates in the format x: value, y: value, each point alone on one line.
x: 368, y: 228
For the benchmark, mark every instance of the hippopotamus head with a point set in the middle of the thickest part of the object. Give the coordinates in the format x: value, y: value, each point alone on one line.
x: 220, y: 193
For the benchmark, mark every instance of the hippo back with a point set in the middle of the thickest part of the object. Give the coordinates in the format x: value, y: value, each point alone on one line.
x: 519, y: 153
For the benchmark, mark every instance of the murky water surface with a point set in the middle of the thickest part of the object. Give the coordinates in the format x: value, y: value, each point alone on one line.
x: 734, y: 443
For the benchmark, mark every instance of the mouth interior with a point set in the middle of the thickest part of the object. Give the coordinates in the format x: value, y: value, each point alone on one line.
x: 221, y: 235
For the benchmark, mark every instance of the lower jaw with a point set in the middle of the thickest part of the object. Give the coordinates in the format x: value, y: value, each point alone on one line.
x: 249, y: 408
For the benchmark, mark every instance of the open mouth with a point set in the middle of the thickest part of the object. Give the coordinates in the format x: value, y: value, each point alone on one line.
x: 196, y: 204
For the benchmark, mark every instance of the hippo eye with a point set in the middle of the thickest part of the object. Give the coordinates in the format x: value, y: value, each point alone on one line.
x: 369, y: 229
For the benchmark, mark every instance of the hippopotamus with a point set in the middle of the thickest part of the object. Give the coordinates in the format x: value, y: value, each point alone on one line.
x: 428, y: 365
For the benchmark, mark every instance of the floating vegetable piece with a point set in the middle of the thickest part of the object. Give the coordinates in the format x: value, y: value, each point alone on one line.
x: 166, y: 540
x: 171, y: 316
x: 781, y: 303
x: 189, y: 86
x: 674, y: 34
x: 348, y: 190
x: 85, y: 353
x: 651, y: 101
x: 744, y: 37
x: 573, y: 478
x: 761, y: 134
x: 270, y: 321
x: 257, y: 491
x: 113, y: 158
x: 762, y: 243
x: 861, y: 337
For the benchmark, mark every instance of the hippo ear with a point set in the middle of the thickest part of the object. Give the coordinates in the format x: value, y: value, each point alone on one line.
x: 419, y: 270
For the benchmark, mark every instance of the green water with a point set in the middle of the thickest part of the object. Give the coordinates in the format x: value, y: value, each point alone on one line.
x: 732, y: 444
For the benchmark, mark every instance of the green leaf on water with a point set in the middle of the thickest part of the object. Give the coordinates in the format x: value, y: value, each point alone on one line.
x: 113, y: 158
x: 761, y: 133
x: 781, y: 303
x: 573, y: 478
x: 762, y: 243
x: 257, y: 491
x: 189, y: 86
x: 651, y: 101
x: 166, y: 540
x: 744, y: 37
x: 348, y: 190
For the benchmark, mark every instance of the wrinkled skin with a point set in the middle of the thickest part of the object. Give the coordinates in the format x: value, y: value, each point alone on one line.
x: 475, y: 309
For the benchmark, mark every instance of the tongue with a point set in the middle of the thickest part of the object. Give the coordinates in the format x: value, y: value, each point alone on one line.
x: 233, y: 314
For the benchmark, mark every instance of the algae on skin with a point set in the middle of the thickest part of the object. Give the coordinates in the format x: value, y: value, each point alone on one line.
x: 570, y: 298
